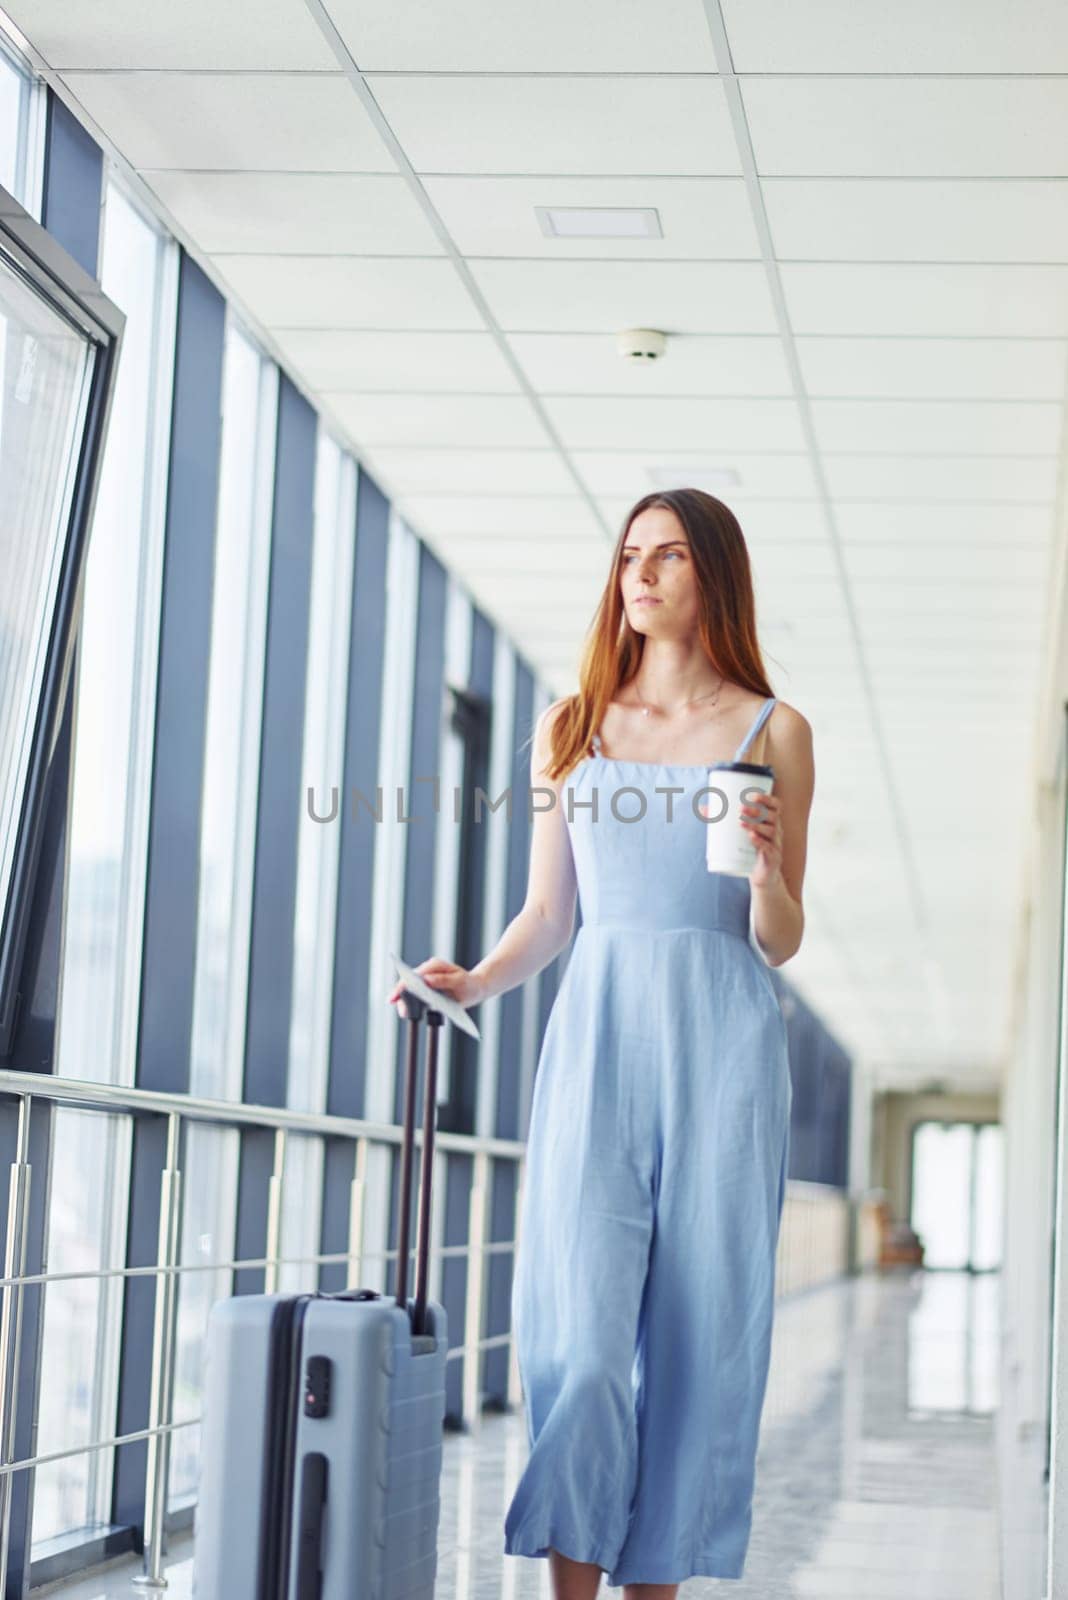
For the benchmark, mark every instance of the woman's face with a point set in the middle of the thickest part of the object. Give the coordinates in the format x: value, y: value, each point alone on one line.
x: 658, y: 582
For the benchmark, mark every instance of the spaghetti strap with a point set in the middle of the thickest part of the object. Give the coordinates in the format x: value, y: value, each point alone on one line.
x: 761, y: 717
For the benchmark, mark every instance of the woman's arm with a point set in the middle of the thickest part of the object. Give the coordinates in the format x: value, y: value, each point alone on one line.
x: 775, y: 887
x: 543, y: 927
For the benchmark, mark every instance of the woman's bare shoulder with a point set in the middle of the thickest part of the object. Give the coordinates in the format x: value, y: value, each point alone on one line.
x: 543, y: 729
x: 789, y: 742
x: 788, y: 723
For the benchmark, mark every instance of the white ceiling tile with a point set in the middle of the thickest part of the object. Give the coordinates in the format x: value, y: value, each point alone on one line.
x: 536, y: 472
x: 974, y: 302
x: 938, y: 427
x: 923, y: 597
x: 504, y: 516
x: 967, y: 629
x: 430, y: 363
x: 854, y: 219
x: 315, y: 213
x: 959, y: 478
x: 281, y: 121
x: 546, y: 553
x: 249, y: 35
x: 775, y: 526
x: 673, y: 296
x: 349, y: 292
x: 672, y: 423
x: 509, y: 36
x: 798, y: 561
x: 922, y: 127
x: 891, y: 652
x: 693, y: 364
x: 613, y: 474
x: 699, y: 217
x: 990, y: 563
x: 415, y: 421
x: 912, y: 36
x: 947, y: 369
x: 605, y: 125
x: 880, y: 523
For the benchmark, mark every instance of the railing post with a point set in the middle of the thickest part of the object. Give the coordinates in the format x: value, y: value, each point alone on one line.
x: 476, y: 1276
x: 18, y: 1206
x: 515, y: 1388
x: 356, y: 1215
x: 164, y: 1338
x: 274, y: 1215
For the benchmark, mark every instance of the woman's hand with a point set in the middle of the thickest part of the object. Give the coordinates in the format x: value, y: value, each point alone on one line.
x: 762, y: 821
x: 456, y: 982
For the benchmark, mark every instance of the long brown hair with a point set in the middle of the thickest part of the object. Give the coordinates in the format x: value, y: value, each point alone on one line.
x: 726, y: 623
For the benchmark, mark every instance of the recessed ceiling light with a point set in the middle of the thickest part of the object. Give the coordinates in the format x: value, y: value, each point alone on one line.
x: 694, y: 477
x: 599, y: 222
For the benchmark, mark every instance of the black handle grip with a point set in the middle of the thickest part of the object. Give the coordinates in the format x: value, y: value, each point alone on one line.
x: 310, y: 1527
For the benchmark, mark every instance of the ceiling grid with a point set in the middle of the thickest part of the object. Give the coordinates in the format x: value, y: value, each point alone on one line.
x: 863, y: 280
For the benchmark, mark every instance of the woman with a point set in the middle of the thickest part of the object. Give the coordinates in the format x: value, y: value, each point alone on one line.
x: 657, y: 1151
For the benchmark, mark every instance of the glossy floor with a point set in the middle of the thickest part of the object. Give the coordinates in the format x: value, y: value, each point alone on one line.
x: 875, y: 1478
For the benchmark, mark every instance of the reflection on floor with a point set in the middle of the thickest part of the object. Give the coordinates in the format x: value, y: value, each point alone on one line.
x: 875, y: 1478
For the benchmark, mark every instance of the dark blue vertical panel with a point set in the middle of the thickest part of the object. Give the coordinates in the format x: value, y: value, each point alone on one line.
x: 169, y: 951
x: 281, y: 748
x: 516, y: 872
x: 459, y: 1175
x: 508, y: 1066
x: 424, y: 765
x: 280, y: 810
x: 169, y: 960
x: 458, y: 1111
x: 821, y: 1076
x: 73, y: 184
x: 424, y: 774
x: 359, y: 832
x: 347, y: 1066
x: 458, y: 1114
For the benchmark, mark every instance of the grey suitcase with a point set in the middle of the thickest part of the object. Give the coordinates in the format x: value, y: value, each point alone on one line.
x: 322, y: 1431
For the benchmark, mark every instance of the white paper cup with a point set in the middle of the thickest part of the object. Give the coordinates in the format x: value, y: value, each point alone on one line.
x: 732, y: 784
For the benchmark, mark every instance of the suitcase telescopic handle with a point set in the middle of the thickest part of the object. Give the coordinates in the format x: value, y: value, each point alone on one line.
x: 417, y: 1009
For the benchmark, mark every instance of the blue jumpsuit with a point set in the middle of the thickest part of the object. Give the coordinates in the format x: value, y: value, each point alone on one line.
x: 643, y: 1292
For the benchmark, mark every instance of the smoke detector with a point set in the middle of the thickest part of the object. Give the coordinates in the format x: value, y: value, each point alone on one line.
x: 641, y: 344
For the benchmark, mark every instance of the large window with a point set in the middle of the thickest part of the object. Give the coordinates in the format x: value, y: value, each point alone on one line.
x: 957, y: 1189
x: 227, y: 841
x: 117, y: 657
x: 46, y: 371
x: 107, y: 847
x: 12, y: 96
x: 318, y: 848
x: 21, y: 128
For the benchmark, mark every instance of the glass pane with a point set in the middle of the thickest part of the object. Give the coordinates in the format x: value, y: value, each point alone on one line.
x: 235, y: 699
x: 209, y: 1187
x: 941, y: 1200
x: 322, y: 764
x: 12, y: 91
x: 45, y: 369
x: 989, y: 1195
x: 118, y: 646
x: 301, y: 1215
x: 82, y: 1319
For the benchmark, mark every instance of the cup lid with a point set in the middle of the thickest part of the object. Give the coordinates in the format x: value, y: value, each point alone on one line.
x: 742, y: 766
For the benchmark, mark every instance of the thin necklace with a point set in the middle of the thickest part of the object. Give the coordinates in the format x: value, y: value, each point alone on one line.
x: 713, y: 693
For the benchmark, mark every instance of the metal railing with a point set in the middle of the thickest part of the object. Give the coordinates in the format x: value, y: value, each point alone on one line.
x: 178, y: 1109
